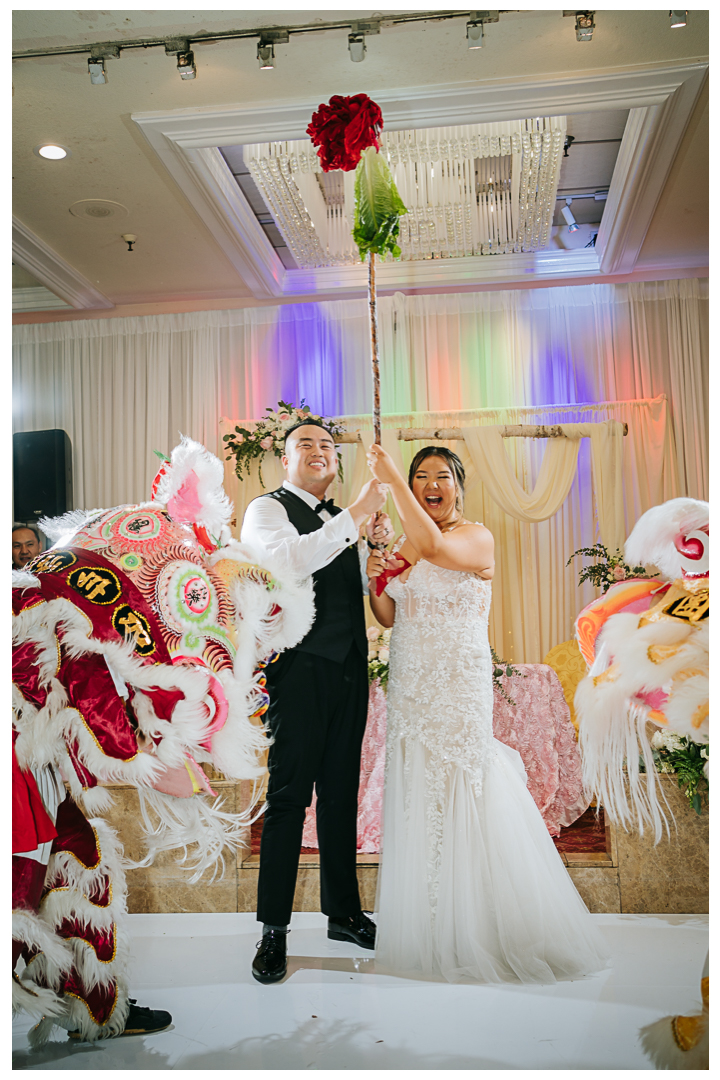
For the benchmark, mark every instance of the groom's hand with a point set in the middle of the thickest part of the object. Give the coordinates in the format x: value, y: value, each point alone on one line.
x: 371, y: 499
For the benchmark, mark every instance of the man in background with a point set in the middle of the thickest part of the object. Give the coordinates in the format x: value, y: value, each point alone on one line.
x: 26, y: 545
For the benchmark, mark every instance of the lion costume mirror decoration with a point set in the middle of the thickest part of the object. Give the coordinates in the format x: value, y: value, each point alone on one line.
x: 140, y: 640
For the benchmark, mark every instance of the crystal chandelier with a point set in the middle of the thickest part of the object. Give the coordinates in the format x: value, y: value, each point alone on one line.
x: 485, y: 189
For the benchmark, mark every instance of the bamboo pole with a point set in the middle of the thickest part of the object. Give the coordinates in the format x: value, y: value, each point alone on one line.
x: 510, y: 431
x: 372, y: 301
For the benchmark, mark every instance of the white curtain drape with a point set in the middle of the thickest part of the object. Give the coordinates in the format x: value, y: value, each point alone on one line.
x: 535, y: 595
x: 122, y: 388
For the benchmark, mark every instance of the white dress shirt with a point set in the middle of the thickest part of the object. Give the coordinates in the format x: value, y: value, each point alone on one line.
x: 266, y: 525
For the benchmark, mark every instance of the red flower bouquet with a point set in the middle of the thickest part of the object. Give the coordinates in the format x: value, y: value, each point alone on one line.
x: 343, y: 128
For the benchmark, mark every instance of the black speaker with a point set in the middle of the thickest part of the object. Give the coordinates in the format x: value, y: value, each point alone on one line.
x: 42, y: 474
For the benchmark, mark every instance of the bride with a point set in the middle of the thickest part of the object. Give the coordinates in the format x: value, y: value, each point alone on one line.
x: 471, y: 883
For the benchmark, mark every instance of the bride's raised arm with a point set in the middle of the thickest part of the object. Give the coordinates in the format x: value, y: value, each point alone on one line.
x: 465, y: 546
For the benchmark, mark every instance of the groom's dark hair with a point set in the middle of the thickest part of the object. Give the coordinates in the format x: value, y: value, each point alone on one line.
x: 304, y: 423
x: 454, y: 463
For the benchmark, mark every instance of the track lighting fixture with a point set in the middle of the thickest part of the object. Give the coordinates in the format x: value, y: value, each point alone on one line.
x: 96, y: 70
x: 584, y: 25
x: 678, y: 19
x: 569, y: 218
x: 474, y: 27
x: 266, y: 55
x: 266, y: 47
x: 186, y: 65
x: 474, y: 31
x: 180, y: 48
x: 357, y: 47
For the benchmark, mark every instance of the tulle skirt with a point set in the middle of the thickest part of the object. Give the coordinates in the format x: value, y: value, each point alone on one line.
x: 506, y: 909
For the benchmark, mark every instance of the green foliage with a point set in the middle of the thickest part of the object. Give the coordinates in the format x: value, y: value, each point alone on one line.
x: 500, y: 668
x: 607, y: 569
x: 686, y: 759
x: 378, y: 207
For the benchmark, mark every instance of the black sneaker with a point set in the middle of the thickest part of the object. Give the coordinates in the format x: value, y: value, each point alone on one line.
x: 356, y: 928
x: 270, y: 963
x: 140, y: 1021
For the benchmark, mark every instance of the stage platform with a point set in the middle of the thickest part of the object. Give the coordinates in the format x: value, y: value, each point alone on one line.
x: 336, y: 1010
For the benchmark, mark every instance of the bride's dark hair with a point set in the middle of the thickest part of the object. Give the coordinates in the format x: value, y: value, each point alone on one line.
x: 454, y: 464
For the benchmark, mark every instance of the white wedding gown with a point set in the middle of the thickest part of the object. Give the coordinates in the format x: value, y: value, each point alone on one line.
x: 470, y: 881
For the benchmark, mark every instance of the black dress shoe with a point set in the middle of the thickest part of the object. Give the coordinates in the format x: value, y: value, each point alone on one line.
x: 270, y: 963
x: 140, y: 1021
x: 356, y: 928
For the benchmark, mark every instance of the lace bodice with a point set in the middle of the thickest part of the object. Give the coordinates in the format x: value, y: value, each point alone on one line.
x: 440, y: 684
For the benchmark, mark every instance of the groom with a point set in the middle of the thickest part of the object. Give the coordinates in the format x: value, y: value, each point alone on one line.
x: 318, y: 696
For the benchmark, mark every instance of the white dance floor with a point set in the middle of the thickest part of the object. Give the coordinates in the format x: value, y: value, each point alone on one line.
x: 335, y: 1011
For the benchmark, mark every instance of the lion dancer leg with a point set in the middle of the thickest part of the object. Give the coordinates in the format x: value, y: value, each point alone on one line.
x: 71, y: 912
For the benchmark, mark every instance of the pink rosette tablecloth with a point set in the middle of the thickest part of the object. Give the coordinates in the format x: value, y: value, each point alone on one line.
x: 538, y: 726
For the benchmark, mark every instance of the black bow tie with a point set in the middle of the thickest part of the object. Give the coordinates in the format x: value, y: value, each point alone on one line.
x: 325, y: 504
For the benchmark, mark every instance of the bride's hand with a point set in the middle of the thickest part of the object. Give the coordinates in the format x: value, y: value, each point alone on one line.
x: 382, y: 466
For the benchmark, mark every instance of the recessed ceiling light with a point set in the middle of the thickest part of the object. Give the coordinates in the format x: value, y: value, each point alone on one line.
x: 51, y: 151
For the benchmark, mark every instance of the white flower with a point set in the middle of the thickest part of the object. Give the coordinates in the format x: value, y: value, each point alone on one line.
x: 667, y: 740
x: 385, y: 636
x: 373, y: 633
x: 704, y: 753
x: 384, y: 654
x: 372, y: 653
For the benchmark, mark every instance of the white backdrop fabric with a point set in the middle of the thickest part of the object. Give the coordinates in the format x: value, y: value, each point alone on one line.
x: 122, y: 388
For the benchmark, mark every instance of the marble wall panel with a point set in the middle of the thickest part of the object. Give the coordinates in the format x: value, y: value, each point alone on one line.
x: 672, y: 877
x: 598, y: 886
x: 669, y: 878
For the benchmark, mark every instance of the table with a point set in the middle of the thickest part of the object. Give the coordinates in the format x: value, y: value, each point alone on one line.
x: 537, y: 725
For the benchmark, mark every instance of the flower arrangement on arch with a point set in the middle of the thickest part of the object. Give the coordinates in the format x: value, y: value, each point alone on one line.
x: 248, y: 445
x: 607, y: 569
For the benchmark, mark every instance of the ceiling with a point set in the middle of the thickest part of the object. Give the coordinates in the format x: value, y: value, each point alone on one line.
x: 146, y: 140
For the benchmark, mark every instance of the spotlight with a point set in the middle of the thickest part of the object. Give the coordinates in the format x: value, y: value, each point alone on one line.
x: 568, y: 215
x: 584, y: 25
x: 266, y: 55
x: 677, y: 19
x: 186, y: 65
x: 96, y: 70
x: 474, y: 31
x: 357, y: 47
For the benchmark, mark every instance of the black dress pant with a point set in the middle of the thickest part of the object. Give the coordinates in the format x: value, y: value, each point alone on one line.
x: 317, y: 716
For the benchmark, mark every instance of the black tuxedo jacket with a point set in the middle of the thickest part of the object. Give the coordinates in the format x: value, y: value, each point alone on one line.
x: 339, y: 610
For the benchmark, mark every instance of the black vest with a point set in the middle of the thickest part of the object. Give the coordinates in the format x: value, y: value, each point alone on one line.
x: 339, y: 609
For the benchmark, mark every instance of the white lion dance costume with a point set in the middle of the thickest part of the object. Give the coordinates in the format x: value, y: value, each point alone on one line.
x: 646, y: 646
x: 139, y: 642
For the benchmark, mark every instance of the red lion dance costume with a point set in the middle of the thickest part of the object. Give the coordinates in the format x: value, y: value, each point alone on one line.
x: 646, y: 646
x: 139, y: 643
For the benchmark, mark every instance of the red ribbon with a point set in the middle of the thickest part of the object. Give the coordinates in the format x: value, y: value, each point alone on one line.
x: 382, y: 580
